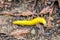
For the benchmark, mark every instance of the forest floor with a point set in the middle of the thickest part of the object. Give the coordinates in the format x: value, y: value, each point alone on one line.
x: 28, y: 11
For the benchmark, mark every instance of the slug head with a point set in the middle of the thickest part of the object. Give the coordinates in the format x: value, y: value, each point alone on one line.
x: 42, y: 20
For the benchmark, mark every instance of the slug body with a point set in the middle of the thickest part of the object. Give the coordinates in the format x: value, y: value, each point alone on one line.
x: 30, y: 22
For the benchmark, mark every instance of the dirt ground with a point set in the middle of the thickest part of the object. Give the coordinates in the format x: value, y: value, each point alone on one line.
x: 51, y: 31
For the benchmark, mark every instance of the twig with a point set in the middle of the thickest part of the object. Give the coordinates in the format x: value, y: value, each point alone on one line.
x: 26, y: 13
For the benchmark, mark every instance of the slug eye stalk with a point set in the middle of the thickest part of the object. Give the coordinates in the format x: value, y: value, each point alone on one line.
x: 31, y: 22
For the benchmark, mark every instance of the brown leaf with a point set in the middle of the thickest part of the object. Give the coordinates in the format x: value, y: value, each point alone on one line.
x: 59, y: 2
x: 49, y: 23
x: 7, y: 13
x: 45, y: 10
x: 1, y: 5
x: 19, y: 32
x: 58, y: 21
x: 26, y: 13
x: 46, y: 1
x: 51, y: 11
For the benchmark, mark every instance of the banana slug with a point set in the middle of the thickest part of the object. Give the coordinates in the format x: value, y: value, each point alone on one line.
x: 30, y: 22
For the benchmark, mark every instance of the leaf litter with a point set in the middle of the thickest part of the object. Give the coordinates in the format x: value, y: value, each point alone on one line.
x: 53, y: 22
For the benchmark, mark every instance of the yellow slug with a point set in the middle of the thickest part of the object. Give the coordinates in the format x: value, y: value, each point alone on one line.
x: 30, y: 22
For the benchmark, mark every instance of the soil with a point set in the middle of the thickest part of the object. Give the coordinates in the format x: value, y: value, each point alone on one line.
x: 51, y: 31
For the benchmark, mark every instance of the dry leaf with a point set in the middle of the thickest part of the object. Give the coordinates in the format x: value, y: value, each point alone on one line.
x: 51, y: 11
x: 26, y: 13
x: 45, y: 10
x: 58, y: 21
x: 7, y: 13
x: 59, y: 2
x: 46, y: 1
x: 49, y: 23
x: 19, y: 32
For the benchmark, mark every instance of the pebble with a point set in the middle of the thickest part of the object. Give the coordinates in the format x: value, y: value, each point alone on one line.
x: 33, y: 31
x: 51, y: 18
